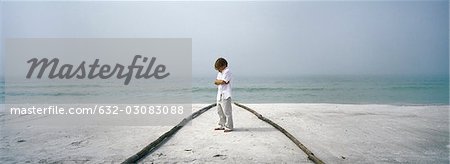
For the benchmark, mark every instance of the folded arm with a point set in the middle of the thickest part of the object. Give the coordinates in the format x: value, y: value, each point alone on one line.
x: 220, y: 82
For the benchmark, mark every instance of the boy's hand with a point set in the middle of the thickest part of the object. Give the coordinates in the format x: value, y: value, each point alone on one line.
x: 220, y: 82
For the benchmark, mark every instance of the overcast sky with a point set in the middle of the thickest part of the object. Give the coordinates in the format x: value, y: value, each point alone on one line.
x: 260, y: 38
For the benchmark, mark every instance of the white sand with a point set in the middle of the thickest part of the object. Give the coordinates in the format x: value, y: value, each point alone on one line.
x: 359, y: 133
x: 253, y: 141
x: 366, y: 133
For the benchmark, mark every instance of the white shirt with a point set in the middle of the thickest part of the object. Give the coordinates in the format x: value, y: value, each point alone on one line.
x: 224, y: 90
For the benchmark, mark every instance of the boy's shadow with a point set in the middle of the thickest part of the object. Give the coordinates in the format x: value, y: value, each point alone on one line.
x: 254, y: 129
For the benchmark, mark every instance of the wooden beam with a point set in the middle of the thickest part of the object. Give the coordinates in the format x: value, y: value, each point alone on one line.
x: 161, y: 139
x: 311, y: 155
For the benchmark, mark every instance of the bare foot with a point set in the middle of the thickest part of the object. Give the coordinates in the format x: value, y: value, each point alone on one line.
x: 228, y: 130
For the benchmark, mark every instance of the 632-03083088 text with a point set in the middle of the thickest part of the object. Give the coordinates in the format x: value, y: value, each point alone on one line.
x: 99, y: 109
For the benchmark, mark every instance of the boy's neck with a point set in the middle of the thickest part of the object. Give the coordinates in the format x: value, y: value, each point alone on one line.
x: 221, y: 71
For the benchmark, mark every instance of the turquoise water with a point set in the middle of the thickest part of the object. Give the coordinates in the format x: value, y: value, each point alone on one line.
x: 351, y: 89
x: 396, y: 90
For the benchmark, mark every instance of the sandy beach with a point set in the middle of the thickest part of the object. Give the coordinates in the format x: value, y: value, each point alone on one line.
x: 336, y: 133
x: 366, y: 133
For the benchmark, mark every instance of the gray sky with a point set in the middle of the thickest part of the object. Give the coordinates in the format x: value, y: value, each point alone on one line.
x: 261, y: 38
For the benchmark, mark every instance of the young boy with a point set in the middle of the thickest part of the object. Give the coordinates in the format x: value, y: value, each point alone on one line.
x: 223, y: 95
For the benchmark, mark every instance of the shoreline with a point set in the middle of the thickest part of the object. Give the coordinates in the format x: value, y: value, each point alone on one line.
x: 314, y: 103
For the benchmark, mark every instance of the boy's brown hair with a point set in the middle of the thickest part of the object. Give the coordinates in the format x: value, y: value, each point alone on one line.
x: 220, y: 63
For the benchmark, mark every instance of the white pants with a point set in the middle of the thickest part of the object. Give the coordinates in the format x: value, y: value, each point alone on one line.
x: 225, y: 113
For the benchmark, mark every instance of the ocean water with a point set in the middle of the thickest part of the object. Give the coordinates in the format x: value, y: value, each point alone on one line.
x: 110, y: 91
x: 348, y: 89
x: 397, y: 90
